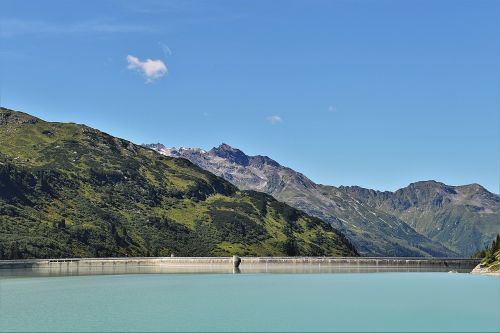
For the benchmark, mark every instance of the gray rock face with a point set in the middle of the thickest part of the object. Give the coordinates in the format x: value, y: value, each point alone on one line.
x: 373, y: 231
x: 17, y: 118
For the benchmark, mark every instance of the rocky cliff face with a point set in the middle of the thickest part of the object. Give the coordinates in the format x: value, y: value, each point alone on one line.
x: 374, y: 232
x: 259, y: 173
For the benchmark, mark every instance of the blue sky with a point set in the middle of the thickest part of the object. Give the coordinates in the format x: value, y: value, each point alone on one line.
x: 373, y: 93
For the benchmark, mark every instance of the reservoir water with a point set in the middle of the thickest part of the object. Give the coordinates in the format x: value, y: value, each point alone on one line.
x: 395, y: 301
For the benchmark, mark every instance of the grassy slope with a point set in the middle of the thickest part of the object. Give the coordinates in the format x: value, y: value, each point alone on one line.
x: 492, y: 265
x: 460, y: 228
x: 377, y: 233
x: 462, y: 218
x: 67, y: 190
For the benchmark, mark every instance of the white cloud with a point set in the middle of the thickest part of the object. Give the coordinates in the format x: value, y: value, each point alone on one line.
x: 152, y: 69
x: 274, y: 119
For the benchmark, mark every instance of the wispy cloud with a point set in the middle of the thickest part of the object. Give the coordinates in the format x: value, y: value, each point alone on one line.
x: 332, y: 108
x: 166, y: 50
x: 151, y: 69
x: 16, y: 27
x: 274, y: 119
x: 187, y: 11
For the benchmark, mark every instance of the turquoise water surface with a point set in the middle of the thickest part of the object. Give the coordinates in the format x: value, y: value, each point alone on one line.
x: 251, y: 302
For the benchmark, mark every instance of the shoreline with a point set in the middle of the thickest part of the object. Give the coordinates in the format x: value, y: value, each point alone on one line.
x: 478, y: 270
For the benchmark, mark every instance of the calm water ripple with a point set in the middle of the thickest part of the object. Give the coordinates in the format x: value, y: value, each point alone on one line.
x: 251, y: 302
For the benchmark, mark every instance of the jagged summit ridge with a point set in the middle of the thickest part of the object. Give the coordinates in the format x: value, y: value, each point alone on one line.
x: 224, y: 151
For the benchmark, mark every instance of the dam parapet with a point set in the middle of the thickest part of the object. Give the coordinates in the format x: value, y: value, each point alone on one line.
x: 128, y: 265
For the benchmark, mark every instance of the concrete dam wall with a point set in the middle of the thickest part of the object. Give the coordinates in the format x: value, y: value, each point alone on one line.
x: 226, y: 265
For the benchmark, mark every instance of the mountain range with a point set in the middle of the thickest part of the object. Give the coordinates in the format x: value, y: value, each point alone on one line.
x: 424, y: 219
x: 68, y: 190
x: 463, y: 218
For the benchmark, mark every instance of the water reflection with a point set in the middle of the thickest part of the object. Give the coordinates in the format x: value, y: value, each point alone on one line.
x: 68, y: 269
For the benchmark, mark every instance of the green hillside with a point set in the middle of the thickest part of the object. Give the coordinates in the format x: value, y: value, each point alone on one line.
x: 463, y: 218
x: 67, y: 190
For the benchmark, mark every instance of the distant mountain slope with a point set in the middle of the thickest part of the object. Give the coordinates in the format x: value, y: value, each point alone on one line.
x: 68, y: 190
x: 463, y: 218
x: 372, y: 231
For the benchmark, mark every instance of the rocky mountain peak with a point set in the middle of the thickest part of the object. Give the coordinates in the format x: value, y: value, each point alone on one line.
x: 155, y: 146
x: 427, y: 184
x: 232, y: 154
x: 478, y: 193
x: 473, y: 188
x: 225, y: 146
